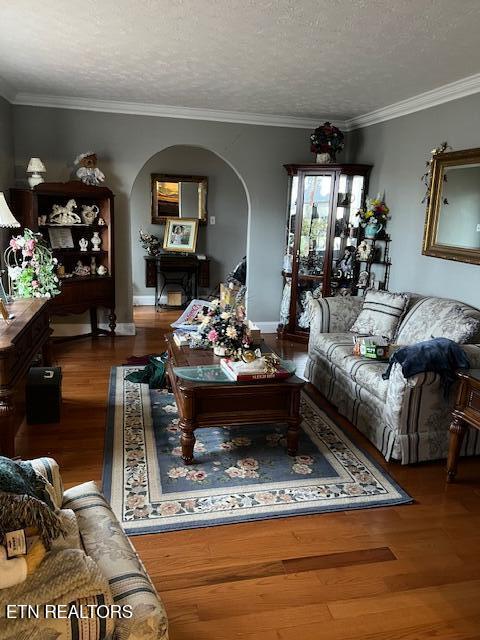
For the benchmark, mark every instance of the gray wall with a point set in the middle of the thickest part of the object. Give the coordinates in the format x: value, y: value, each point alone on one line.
x: 6, y: 161
x: 225, y: 242
x: 6, y: 145
x: 125, y: 142
x: 398, y: 150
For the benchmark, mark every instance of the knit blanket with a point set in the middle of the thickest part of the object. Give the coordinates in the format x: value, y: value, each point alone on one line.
x: 21, y: 478
x: 63, y: 577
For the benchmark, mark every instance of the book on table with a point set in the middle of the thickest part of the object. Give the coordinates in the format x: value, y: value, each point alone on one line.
x: 249, y: 371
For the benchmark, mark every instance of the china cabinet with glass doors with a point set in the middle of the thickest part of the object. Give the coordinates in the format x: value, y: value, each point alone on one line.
x: 322, y: 234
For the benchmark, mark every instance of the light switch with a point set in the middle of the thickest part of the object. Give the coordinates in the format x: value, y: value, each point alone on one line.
x: 212, y: 220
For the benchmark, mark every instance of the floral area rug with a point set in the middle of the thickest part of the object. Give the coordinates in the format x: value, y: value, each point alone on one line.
x: 239, y: 474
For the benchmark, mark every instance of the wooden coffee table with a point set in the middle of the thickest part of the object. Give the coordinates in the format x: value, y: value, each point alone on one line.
x: 209, y: 404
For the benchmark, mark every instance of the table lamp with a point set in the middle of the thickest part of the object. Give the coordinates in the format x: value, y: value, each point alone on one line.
x: 35, y: 168
x: 7, y: 219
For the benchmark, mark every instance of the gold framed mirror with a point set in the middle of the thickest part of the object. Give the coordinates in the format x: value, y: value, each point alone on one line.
x: 452, y: 222
x: 176, y: 196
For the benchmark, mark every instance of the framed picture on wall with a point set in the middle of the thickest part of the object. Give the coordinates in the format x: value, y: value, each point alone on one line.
x: 181, y: 235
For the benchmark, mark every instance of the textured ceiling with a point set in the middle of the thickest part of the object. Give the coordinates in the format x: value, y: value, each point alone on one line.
x: 305, y: 58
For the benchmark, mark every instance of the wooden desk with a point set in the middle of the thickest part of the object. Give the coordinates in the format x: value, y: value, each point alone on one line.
x: 20, y: 341
x: 466, y: 414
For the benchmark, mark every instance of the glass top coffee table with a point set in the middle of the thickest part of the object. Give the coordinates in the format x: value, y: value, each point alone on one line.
x: 219, y: 402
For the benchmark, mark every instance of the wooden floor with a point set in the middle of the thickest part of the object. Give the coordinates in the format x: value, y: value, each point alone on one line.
x: 397, y: 572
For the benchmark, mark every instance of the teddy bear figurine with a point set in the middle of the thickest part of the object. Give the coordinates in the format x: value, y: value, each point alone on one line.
x: 88, y: 172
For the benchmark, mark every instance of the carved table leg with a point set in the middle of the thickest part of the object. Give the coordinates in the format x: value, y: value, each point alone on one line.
x: 188, y: 440
x: 7, y: 435
x: 292, y: 436
x: 457, y: 431
x: 112, y: 322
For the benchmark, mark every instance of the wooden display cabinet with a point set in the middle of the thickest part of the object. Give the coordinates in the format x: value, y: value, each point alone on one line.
x: 321, y: 225
x: 78, y: 293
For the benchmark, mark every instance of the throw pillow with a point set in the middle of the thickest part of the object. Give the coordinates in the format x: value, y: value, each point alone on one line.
x: 381, y: 313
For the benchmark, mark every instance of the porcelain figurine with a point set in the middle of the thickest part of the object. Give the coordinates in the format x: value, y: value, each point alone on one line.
x: 96, y: 241
x: 364, y: 251
x: 64, y: 215
x: 93, y: 265
x: 83, y: 243
x: 81, y: 269
x: 89, y: 213
x: 362, y: 280
x: 102, y: 271
x: 42, y: 220
x: 101, y: 222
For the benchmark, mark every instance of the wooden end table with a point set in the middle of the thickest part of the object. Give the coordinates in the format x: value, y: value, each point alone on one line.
x: 466, y: 414
x: 209, y: 404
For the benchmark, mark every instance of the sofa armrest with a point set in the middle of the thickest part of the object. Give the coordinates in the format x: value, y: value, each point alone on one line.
x: 105, y: 541
x: 333, y: 315
x: 429, y: 378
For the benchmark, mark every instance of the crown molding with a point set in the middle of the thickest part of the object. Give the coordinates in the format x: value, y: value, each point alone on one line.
x: 6, y: 91
x: 165, y: 111
x: 446, y: 93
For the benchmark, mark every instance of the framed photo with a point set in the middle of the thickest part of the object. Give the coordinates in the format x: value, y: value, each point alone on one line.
x: 61, y: 238
x: 181, y: 234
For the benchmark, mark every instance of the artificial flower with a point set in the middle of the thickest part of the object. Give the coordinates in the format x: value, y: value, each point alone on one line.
x: 231, y: 332
x: 33, y: 271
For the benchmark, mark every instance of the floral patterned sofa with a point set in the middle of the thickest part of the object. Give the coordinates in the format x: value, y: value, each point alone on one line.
x: 406, y: 419
x: 104, y: 540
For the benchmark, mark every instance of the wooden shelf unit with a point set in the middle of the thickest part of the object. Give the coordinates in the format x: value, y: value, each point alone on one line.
x: 78, y: 294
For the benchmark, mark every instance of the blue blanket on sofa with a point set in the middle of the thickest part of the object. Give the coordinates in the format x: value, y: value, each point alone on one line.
x: 439, y: 355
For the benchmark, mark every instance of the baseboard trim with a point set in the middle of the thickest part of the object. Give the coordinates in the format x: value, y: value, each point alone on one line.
x: 65, y: 329
x: 267, y: 327
x: 144, y: 301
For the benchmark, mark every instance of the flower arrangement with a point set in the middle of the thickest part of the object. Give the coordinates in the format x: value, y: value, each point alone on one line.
x: 224, y: 328
x: 31, y: 267
x: 327, y: 139
x: 150, y: 243
x: 375, y: 212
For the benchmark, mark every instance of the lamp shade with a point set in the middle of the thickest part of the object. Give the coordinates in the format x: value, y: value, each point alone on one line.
x: 6, y: 216
x: 36, y: 166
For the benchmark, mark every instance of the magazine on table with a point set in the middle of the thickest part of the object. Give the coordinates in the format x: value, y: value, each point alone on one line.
x: 188, y: 321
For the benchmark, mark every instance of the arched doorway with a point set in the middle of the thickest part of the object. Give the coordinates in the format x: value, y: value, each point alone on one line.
x: 223, y: 239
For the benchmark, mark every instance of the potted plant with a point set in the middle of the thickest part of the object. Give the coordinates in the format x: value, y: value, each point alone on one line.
x: 326, y: 141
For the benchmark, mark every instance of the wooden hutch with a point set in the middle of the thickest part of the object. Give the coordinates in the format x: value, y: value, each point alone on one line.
x: 78, y: 293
